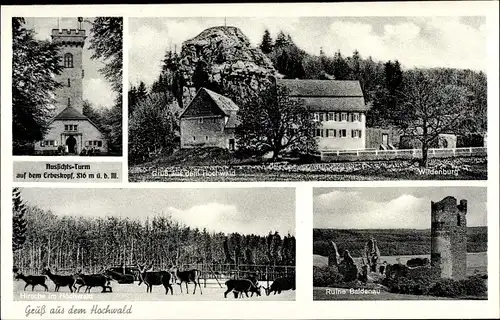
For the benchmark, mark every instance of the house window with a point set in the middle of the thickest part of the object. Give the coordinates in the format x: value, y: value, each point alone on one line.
x: 331, y: 133
x: 48, y: 143
x: 70, y: 127
x: 330, y: 116
x: 356, y: 133
x: 322, y: 117
x: 69, y: 82
x: 68, y: 60
x: 343, y: 133
x: 200, y: 120
x: 356, y: 117
x: 343, y: 116
x: 316, y: 116
x: 319, y: 133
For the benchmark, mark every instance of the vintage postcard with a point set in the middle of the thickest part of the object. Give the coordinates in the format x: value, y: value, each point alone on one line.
x: 250, y: 161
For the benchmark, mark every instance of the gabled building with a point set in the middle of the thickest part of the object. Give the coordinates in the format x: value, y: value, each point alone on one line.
x: 209, y: 120
x: 70, y: 130
x: 339, y: 108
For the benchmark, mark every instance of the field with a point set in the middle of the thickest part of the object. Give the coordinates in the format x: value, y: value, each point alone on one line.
x: 133, y: 292
x: 473, y: 168
x: 475, y: 262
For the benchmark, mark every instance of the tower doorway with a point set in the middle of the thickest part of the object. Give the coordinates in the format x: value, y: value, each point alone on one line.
x: 71, y: 143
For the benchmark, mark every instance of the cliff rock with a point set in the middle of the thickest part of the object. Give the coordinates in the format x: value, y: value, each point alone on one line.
x: 229, y: 60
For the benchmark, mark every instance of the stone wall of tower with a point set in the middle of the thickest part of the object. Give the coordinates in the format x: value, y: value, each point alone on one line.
x: 449, y: 238
x: 71, y: 41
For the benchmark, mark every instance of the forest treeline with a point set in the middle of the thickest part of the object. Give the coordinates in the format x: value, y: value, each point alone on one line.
x: 391, y: 91
x: 42, y: 238
x: 391, y: 242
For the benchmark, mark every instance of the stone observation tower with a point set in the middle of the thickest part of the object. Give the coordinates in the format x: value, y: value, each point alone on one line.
x: 449, y: 238
x: 71, y: 42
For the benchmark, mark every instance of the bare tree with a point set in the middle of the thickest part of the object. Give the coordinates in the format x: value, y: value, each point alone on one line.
x: 430, y: 108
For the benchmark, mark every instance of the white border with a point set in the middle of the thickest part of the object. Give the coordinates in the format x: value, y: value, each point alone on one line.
x: 303, y: 307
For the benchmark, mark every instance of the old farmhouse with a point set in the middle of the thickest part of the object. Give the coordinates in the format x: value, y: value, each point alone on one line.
x: 71, y: 131
x: 209, y: 120
x: 338, y: 106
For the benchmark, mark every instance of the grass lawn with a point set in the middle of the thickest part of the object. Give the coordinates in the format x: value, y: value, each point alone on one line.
x: 322, y: 294
x: 211, y: 170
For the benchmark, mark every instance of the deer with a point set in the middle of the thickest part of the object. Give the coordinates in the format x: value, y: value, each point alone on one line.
x: 120, y: 277
x: 253, y: 279
x: 33, y: 281
x: 93, y: 280
x: 60, y: 281
x: 155, y: 278
x: 281, y: 284
x: 240, y: 286
x: 187, y: 276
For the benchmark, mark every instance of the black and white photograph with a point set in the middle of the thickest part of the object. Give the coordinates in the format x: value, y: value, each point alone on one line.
x: 307, y: 98
x: 67, y: 86
x: 154, y: 244
x: 412, y: 243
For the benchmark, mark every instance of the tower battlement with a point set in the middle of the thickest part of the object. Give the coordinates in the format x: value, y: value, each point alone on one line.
x: 68, y: 36
x: 449, y: 238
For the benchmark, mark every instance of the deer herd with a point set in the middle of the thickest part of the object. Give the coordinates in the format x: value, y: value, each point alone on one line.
x: 144, y: 274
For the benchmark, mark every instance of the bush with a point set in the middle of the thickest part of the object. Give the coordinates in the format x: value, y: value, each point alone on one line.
x: 447, y: 288
x: 474, y: 286
x: 404, y: 285
x: 326, y: 277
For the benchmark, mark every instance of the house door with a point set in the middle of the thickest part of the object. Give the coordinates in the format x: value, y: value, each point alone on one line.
x: 384, y: 139
x: 231, y: 144
x: 71, y: 143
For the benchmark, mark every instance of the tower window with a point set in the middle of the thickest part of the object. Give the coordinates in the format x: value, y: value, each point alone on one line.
x: 69, y: 82
x: 68, y: 60
x: 69, y: 102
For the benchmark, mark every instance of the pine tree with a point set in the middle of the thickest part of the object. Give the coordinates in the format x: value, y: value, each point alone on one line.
x: 281, y: 40
x: 18, y: 220
x: 267, y: 43
x: 142, y: 91
x: 342, y: 70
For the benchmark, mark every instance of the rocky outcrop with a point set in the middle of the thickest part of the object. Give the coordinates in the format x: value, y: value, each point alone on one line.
x: 229, y: 60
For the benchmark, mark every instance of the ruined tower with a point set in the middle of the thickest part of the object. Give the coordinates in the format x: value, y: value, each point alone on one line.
x: 70, y: 94
x: 449, y: 238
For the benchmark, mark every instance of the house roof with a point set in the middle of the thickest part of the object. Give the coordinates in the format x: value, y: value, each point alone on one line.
x: 322, y: 88
x: 232, y: 122
x: 70, y: 113
x: 327, y: 95
x: 356, y: 104
x: 224, y: 103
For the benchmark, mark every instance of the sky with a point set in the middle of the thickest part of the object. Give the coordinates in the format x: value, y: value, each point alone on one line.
x: 95, y: 87
x: 389, y: 208
x: 245, y: 210
x: 456, y: 42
